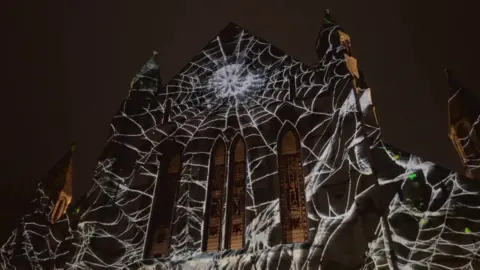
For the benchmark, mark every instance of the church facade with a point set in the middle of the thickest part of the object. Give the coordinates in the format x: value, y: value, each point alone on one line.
x: 250, y: 159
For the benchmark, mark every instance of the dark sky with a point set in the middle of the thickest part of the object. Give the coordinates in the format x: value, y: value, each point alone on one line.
x: 67, y: 67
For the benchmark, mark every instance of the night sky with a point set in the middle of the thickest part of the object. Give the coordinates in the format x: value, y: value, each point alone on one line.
x: 67, y: 68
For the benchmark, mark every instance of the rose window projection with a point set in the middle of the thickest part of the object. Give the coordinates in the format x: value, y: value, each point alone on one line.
x: 250, y: 159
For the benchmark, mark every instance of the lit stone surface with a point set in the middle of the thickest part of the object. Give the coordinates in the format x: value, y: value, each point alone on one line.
x: 366, y: 204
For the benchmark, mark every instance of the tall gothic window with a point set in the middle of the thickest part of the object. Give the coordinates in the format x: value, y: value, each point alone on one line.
x: 169, y: 184
x: 292, y: 191
x: 216, y: 188
x: 238, y: 197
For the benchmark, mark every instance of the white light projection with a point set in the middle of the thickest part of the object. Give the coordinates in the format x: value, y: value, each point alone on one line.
x: 239, y: 85
x: 220, y: 95
x: 235, y: 80
x: 115, y: 214
x: 345, y: 219
x: 35, y: 243
x: 206, y: 104
x: 434, y: 220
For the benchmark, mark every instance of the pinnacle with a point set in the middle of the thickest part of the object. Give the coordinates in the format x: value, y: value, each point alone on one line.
x: 328, y: 20
x: 323, y: 41
x: 150, y: 67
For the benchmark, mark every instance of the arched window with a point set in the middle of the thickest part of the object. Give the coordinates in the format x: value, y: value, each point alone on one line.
x: 292, y: 191
x: 168, y: 185
x: 216, y: 188
x: 238, y: 197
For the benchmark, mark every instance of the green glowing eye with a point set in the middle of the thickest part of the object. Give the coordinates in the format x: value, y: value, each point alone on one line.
x: 412, y: 176
x: 467, y: 230
x: 423, y: 221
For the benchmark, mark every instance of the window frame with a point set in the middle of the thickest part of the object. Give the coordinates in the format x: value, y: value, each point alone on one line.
x: 288, y: 127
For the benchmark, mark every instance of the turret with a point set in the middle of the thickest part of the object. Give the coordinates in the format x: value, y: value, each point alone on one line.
x: 333, y: 40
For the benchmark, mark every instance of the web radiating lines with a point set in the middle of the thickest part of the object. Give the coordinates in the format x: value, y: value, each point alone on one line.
x: 400, y: 211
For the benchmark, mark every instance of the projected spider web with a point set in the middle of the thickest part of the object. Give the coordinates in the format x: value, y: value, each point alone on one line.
x: 35, y: 243
x: 40, y: 243
x: 241, y: 86
x: 238, y: 85
x: 434, y: 220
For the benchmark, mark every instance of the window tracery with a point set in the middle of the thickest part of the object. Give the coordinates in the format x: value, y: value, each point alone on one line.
x: 238, y: 197
x: 292, y: 191
x: 216, y: 187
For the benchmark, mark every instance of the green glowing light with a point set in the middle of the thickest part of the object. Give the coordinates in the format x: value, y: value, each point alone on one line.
x: 77, y: 210
x: 412, y: 176
x: 467, y: 230
x: 397, y: 156
x: 423, y: 221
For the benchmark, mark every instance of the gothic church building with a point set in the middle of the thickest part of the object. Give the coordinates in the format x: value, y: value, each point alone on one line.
x: 250, y: 159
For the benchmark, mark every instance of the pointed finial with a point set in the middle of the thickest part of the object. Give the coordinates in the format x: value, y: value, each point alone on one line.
x: 323, y: 41
x: 327, y: 15
x: 72, y: 146
x: 155, y: 53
